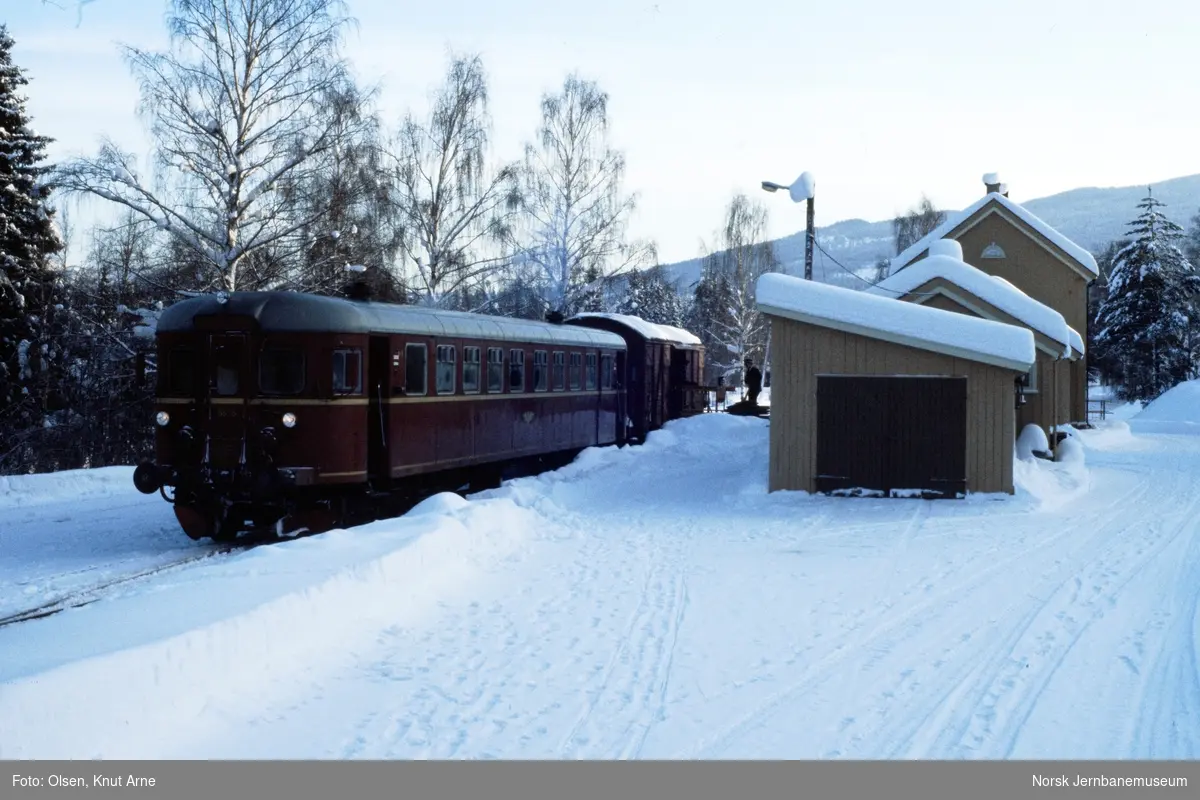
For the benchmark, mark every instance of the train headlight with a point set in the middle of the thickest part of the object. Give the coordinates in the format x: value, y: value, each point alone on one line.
x: 162, y: 418
x: 289, y: 420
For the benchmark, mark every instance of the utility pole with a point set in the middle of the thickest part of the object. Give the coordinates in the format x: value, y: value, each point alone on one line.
x: 809, y: 242
x: 803, y: 188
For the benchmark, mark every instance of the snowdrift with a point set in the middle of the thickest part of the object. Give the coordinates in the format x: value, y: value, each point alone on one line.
x: 1177, y: 410
x: 55, y: 487
x: 318, y: 598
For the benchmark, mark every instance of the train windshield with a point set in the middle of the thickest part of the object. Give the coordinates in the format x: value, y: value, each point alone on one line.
x: 181, y: 372
x: 281, y: 371
x: 227, y: 361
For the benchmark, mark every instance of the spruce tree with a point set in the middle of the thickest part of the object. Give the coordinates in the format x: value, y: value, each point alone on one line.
x: 27, y: 240
x: 1147, y: 323
x: 650, y: 295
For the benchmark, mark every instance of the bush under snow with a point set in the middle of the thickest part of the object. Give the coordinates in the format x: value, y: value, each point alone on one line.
x: 1032, y: 438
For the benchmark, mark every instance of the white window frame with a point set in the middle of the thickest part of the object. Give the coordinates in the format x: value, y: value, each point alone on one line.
x: 446, y: 354
x: 591, y: 379
x: 516, y: 361
x: 472, y: 356
x: 496, y: 351
x: 541, y: 377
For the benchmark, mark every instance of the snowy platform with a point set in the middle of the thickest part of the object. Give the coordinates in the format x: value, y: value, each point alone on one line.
x: 644, y: 602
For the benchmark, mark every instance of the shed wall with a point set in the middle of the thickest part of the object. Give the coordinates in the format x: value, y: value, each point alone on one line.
x: 801, y: 351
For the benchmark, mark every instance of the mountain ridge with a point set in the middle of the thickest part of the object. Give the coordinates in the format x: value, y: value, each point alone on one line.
x: 1091, y: 216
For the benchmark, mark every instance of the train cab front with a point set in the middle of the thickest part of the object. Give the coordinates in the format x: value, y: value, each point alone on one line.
x: 217, y: 448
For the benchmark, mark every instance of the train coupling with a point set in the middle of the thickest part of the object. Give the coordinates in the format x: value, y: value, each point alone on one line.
x: 149, y: 477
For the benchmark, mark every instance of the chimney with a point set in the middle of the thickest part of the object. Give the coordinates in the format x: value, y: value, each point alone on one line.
x: 993, y: 184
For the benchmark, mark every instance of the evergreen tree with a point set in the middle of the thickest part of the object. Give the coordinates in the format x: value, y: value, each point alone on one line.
x: 1099, y: 359
x: 1191, y: 242
x: 28, y: 238
x: 651, y: 296
x: 1148, y: 324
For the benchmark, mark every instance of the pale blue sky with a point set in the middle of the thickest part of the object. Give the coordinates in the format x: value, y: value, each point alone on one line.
x: 880, y: 100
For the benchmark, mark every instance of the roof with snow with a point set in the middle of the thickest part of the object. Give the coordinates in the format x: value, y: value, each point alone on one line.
x: 908, y: 324
x: 991, y: 289
x: 1085, y: 259
x: 295, y: 311
x: 648, y: 330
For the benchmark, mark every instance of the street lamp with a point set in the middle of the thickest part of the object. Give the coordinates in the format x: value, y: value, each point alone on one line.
x: 803, y: 188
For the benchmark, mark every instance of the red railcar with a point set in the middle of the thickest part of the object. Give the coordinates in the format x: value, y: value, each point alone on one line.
x: 664, y: 369
x: 295, y: 411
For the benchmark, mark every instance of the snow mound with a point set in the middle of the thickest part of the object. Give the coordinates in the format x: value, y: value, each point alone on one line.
x: 946, y: 247
x: 444, y: 503
x: 1113, y: 434
x: 75, y: 484
x: 1070, y: 452
x: 1051, y: 484
x: 1176, y: 410
x: 1032, y: 438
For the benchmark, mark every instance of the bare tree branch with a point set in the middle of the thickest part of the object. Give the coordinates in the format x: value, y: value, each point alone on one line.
x: 236, y: 107
x: 571, y: 193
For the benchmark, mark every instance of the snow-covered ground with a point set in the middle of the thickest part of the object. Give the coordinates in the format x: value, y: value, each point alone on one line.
x: 648, y: 602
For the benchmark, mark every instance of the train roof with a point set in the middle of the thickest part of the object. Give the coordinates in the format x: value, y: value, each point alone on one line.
x: 647, y: 330
x: 298, y: 312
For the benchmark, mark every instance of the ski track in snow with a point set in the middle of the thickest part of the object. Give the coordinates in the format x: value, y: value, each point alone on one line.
x: 675, y: 610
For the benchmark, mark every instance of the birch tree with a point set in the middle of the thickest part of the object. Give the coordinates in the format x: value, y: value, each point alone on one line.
x: 235, y: 107
x: 576, y: 213
x: 455, y: 211
x: 730, y: 323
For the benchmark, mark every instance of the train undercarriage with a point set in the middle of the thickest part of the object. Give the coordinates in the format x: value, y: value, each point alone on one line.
x: 221, y: 504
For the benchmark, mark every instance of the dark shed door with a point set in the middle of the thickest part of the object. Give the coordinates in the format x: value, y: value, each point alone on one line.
x: 892, y: 434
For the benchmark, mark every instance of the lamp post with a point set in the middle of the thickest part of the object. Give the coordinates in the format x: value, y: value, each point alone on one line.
x: 804, y: 188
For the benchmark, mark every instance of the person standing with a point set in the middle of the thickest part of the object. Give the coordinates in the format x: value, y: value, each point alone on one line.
x: 753, y: 381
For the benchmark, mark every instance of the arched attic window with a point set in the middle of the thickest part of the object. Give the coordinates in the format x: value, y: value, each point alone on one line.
x: 993, y: 250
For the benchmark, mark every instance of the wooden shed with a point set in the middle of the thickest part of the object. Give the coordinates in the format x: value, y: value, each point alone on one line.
x: 943, y: 280
x: 875, y: 396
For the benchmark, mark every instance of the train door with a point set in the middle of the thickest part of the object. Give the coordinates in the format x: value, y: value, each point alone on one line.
x: 379, y: 383
x: 225, y: 393
x: 623, y: 384
x: 678, y: 372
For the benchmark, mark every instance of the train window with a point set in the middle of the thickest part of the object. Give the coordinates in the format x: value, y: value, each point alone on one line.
x: 495, y: 369
x: 606, y: 372
x: 446, y: 356
x: 415, y: 374
x: 181, y: 372
x: 590, y: 378
x: 560, y: 371
x: 281, y: 371
x: 516, y: 370
x: 347, y: 371
x: 576, y: 370
x: 226, y: 369
x: 539, y: 370
x: 471, y: 370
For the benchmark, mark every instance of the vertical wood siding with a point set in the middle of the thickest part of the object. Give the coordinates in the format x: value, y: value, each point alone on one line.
x: 801, y: 352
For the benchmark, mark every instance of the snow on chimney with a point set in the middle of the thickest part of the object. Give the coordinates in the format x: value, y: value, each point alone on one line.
x: 992, y: 182
x: 946, y: 247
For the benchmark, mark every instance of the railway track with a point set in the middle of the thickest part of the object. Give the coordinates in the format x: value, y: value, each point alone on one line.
x: 87, y: 595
